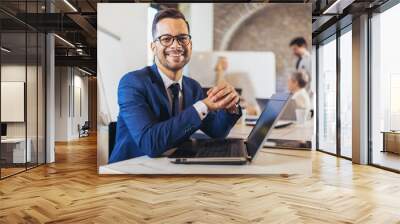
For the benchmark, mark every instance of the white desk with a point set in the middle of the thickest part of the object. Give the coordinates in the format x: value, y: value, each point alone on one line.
x: 19, y: 154
x: 267, y: 162
x: 299, y: 132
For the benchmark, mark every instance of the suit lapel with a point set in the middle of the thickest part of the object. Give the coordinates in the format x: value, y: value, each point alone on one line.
x: 159, y: 86
x: 187, y: 93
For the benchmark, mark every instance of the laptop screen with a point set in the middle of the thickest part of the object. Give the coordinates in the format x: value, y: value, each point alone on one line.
x: 262, y: 103
x: 3, y: 129
x: 266, y: 121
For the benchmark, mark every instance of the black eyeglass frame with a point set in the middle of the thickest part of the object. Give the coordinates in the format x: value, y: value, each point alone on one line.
x: 174, y: 38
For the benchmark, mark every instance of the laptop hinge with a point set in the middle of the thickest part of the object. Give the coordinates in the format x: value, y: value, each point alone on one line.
x: 248, y: 157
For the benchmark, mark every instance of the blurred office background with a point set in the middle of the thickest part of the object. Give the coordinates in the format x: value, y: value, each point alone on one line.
x: 252, y: 37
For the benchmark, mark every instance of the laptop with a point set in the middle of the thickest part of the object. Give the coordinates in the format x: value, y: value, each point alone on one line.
x: 232, y: 151
x: 3, y: 131
x: 262, y: 102
x: 289, y: 114
x: 287, y: 117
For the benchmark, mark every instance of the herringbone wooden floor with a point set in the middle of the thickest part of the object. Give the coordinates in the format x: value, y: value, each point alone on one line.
x: 70, y: 191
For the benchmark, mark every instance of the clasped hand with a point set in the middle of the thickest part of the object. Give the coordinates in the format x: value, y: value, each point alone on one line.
x: 222, y: 96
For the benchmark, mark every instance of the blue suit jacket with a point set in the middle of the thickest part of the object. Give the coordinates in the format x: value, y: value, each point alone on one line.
x: 145, y: 125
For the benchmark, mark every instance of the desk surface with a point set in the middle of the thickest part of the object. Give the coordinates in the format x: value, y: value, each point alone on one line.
x: 295, y: 131
x: 13, y: 140
x: 267, y: 161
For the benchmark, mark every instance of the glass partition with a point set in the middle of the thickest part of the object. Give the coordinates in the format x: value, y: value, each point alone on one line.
x: 385, y: 89
x: 14, y: 153
x: 31, y: 97
x: 346, y: 93
x: 22, y: 88
x: 41, y: 96
x: 327, y: 96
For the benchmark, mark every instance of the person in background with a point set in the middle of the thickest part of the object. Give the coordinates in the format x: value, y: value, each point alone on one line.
x: 241, y: 81
x: 296, y: 84
x: 299, y: 48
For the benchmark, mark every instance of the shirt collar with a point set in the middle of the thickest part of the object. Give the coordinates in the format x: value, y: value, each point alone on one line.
x: 306, y: 54
x: 167, y: 81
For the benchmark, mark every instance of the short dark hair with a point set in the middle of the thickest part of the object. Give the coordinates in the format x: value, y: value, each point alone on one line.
x: 167, y: 13
x: 298, y: 41
x: 300, y: 77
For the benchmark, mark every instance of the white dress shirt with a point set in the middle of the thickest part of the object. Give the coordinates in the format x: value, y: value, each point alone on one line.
x: 200, y: 107
x: 302, y: 99
x: 305, y: 65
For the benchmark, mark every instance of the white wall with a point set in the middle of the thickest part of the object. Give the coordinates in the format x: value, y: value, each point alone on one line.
x: 201, y: 20
x: 61, y: 103
x: 12, y: 73
x: 68, y: 82
x: 122, y: 46
x: 252, y: 71
x: 12, y: 100
x: 80, y: 103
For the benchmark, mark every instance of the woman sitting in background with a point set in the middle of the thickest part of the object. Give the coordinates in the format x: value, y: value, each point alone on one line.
x: 238, y: 80
x: 296, y: 84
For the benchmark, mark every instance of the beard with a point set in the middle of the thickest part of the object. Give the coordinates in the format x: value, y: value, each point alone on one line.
x: 175, y: 59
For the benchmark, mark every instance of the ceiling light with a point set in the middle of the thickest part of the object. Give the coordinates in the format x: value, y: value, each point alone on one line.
x: 338, y: 6
x: 84, y: 71
x: 65, y: 41
x: 5, y: 50
x: 70, y: 5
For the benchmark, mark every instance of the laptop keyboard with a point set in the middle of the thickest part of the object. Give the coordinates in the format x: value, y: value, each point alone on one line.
x: 219, y: 148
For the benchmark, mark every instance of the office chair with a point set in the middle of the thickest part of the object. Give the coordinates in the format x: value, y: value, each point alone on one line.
x: 112, y: 130
x: 84, y: 130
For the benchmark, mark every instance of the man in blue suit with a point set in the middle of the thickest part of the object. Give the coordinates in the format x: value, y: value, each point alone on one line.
x: 159, y: 107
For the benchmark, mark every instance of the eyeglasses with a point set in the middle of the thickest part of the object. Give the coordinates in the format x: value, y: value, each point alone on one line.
x: 167, y: 40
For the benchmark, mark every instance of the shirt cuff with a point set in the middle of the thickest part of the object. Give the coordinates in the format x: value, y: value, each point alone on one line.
x: 235, y: 110
x: 201, y: 109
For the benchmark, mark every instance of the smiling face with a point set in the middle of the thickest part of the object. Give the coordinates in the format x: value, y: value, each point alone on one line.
x: 175, y: 56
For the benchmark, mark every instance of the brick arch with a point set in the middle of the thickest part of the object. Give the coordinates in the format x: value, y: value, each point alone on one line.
x: 267, y: 29
x: 241, y: 13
